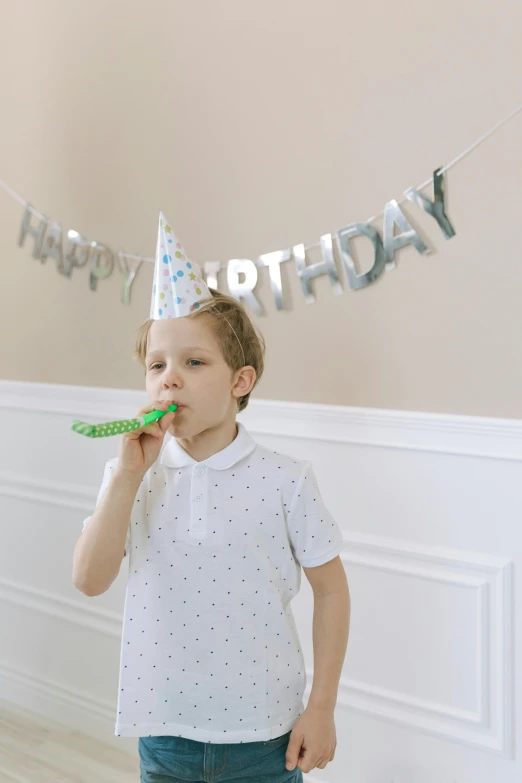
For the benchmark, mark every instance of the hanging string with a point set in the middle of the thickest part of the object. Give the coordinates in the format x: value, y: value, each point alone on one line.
x: 456, y: 160
x: 453, y: 162
x: 237, y: 338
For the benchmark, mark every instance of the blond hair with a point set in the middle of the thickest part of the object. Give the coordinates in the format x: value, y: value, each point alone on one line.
x: 241, y: 343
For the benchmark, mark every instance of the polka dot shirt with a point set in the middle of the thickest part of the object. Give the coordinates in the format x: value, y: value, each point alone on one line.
x: 210, y: 650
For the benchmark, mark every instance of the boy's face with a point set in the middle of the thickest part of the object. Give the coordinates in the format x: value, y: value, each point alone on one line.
x: 184, y: 363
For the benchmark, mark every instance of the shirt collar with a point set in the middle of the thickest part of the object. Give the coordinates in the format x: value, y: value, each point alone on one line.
x: 174, y: 456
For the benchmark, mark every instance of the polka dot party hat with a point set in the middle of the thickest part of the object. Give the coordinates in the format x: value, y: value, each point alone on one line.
x: 178, y: 286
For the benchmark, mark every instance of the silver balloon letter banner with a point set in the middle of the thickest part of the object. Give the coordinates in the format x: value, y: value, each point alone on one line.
x: 79, y: 251
x: 47, y: 236
x: 242, y: 273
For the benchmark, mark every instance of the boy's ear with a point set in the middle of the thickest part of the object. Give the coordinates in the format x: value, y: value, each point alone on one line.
x: 245, y: 380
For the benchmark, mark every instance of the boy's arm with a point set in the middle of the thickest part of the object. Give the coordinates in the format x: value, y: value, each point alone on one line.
x: 331, y: 625
x: 99, y: 550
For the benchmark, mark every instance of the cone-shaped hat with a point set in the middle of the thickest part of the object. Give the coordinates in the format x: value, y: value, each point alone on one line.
x: 178, y: 285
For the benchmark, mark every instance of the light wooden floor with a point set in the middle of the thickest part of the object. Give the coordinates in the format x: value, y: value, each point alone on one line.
x: 35, y: 750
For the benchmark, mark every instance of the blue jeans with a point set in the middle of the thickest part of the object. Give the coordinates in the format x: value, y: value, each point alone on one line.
x: 178, y: 760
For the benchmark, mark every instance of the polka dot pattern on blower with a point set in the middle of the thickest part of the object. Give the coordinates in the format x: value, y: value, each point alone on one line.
x: 104, y: 430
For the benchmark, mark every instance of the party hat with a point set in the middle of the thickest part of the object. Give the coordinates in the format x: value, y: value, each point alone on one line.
x: 178, y: 286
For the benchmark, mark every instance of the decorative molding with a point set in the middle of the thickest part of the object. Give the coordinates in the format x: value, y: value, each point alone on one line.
x: 472, y: 436
x: 79, y: 612
x: 491, y: 727
x: 54, y: 493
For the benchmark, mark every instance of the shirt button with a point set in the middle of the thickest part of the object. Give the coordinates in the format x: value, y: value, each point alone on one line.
x: 198, y: 497
x: 201, y: 471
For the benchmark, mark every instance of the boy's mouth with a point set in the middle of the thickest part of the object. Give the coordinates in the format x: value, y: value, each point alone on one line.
x: 173, y: 402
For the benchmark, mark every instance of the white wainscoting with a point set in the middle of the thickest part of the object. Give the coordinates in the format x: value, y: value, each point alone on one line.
x: 430, y: 510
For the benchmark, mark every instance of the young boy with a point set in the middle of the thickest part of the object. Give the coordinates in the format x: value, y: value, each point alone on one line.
x: 216, y: 528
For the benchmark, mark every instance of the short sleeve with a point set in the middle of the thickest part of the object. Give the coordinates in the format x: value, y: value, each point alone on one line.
x: 314, y: 534
x: 110, y: 465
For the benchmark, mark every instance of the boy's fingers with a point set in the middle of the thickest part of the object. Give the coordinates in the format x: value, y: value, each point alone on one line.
x: 155, y: 428
x: 158, y: 427
x: 166, y: 421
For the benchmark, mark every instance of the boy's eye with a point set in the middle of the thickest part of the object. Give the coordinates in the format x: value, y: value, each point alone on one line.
x: 160, y: 364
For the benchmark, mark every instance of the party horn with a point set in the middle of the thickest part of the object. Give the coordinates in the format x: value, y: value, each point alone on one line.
x: 119, y: 427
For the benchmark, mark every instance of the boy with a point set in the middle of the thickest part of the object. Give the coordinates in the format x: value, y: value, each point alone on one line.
x: 216, y: 529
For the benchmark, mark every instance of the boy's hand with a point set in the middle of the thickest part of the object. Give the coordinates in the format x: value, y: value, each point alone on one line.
x: 140, y: 449
x: 313, y: 740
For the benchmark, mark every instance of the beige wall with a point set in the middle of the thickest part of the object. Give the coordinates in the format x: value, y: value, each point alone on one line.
x: 255, y: 126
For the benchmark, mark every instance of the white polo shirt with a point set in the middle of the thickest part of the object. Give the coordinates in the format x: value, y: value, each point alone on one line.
x: 210, y: 650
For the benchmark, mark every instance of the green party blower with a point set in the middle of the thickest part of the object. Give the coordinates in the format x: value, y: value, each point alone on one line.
x: 119, y: 427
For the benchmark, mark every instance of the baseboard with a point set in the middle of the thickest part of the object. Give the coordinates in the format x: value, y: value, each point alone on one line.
x: 71, y: 707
